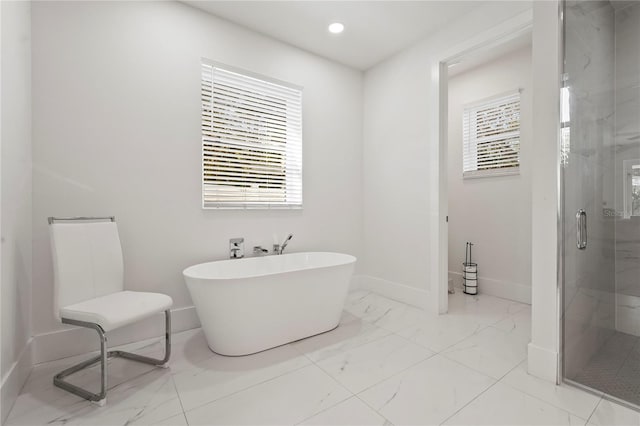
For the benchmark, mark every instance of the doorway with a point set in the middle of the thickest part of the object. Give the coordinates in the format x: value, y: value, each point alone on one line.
x: 501, y: 35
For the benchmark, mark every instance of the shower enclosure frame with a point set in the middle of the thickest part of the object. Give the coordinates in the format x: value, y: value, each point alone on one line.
x: 560, y: 202
x: 561, y: 244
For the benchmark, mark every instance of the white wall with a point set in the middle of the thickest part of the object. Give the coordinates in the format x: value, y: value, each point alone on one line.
x: 492, y: 212
x: 396, y: 164
x: 16, y: 192
x: 545, y: 326
x: 116, y: 122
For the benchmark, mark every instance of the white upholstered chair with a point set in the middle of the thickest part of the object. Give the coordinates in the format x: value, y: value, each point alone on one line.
x: 89, y: 292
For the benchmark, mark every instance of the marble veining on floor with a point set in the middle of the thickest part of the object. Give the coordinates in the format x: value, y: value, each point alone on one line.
x: 387, y: 363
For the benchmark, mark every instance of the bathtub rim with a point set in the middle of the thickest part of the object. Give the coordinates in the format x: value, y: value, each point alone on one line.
x: 348, y: 260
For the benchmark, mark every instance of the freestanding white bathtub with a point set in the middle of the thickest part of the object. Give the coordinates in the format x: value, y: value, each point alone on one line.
x: 252, y: 304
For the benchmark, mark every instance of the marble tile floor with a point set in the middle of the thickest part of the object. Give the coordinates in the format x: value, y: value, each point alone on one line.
x: 386, y: 364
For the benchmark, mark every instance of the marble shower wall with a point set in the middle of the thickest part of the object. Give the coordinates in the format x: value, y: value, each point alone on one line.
x: 589, y: 275
x: 627, y: 140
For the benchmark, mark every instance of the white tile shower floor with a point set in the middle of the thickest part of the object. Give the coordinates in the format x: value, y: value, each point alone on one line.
x: 387, y: 363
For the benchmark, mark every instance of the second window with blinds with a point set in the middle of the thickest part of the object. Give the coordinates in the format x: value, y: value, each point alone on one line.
x: 491, y: 136
x: 251, y: 140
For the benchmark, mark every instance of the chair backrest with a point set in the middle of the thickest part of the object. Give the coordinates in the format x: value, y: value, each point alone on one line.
x: 87, y: 261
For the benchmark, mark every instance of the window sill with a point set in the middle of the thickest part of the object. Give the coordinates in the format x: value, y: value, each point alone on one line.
x: 238, y: 207
x: 491, y: 173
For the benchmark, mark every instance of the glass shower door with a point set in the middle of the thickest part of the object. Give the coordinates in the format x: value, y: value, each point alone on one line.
x: 601, y: 236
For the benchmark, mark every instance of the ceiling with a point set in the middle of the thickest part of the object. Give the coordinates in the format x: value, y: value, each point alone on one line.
x: 374, y: 30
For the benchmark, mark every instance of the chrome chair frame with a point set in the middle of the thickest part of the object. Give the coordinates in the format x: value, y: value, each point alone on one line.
x: 101, y: 398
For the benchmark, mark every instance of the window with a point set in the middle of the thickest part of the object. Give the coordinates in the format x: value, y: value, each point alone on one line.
x: 491, y: 136
x: 631, y: 187
x: 565, y: 125
x: 251, y: 140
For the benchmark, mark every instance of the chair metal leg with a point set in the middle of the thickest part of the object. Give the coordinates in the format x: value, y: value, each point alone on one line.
x: 100, y: 398
x: 146, y: 359
x: 102, y: 359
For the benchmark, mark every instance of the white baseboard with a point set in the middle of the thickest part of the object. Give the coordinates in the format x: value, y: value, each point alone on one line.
x: 542, y: 362
x: 72, y: 341
x: 15, y: 378
x: 400, y: 292
x: 506, y: 290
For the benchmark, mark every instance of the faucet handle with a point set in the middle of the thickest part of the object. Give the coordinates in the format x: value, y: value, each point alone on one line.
x: 236, y: 248
x: 276, y: 249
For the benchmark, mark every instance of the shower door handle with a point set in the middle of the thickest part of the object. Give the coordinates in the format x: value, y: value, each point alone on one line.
x: 581, y: 229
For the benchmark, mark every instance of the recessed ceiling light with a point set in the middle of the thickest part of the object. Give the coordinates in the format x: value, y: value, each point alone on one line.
x: 336, y: 28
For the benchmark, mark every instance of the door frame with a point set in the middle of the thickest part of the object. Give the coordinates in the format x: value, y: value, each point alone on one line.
x: 438, y: 115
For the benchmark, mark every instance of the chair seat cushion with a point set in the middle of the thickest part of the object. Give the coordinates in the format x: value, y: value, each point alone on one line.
x: 117, y: 309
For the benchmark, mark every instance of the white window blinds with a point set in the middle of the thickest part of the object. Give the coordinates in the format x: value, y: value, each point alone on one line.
x: 491, y: 136
x: 251, y: 141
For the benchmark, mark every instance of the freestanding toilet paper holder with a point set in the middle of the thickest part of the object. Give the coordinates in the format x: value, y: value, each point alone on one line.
x: 469, y: 272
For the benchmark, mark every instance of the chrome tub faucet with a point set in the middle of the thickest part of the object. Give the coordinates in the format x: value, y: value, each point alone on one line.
x: 279, y: 248
x: 259, y: 251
